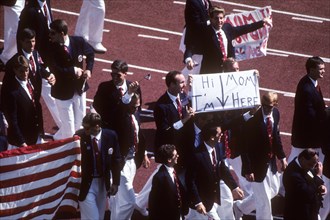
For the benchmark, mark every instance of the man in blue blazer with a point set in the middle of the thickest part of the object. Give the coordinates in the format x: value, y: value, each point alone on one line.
x: 310, y: 110
x: 167, y: 198
x: 172, y: 116
x: 37, y: 15
x: 21, y: 106
x: 98, y: 146
x: 37, y: 69
x: 213, y: 54
x: 204, y: 173
x: 262, y: 146
x: 71, y: 84
x: 304, y: 187
x: 112, y: 96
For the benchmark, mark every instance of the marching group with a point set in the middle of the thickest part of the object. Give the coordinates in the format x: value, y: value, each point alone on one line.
x: 215, y: 165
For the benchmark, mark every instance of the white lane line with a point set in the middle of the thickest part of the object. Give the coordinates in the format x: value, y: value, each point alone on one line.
x: 109, y: 70
x: 106, y: 30
x: 152, y: 37
x: 277, y: 54
x: 327, y: 60
x: 122, y: 23
x: 2, y: 40
x: 285, y: 93
x: 306, y: 19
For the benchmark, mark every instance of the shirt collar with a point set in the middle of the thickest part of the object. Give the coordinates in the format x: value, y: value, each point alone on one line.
x: 67, y: 41
x: 98, y: 136
x: 172, y: 97
x: 169, y: 169
x: 41, y: 4
x: 209, y: 148
x: 313, y: 81
x: 124, y: 86
x: 27, y: 55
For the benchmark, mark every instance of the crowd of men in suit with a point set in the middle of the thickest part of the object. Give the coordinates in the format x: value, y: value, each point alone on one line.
x: 195, y: 151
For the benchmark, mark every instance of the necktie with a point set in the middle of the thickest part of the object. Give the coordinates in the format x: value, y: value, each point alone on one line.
x: 66, y: 49
x: 206, y: 4
x: 121, y: 91
x: 134, y: 134
x: 226, y: 143
x: 45, y: 11
x: 176, y: 181
x: 270, y: 135
x: 98, y: 158
x: 222, y: 46
x: 179, y: 106
x: 30, y: 88
x: 32, y: 65
x: 318, y: 88
x: 214, y: 160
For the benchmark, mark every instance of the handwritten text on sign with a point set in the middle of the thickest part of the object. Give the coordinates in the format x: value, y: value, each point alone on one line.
x: 254, y: 44
x: 225, y: 91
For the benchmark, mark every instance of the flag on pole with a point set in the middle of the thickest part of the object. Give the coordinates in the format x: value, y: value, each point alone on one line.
x: 40, y: 180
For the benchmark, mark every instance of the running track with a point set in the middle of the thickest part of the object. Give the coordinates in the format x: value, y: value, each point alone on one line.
x: 147, y: 34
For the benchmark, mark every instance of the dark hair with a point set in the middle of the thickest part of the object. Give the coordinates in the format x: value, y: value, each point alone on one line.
x: 120, y: 66
x: 313, y: 62
x: 165, y: 152
x: 92, y: 119
x: 208, y: 131
x: 228, y: 64
x: 308, y: 154
x: 26, y: 33
x: 170, y: 77
x: 59, y: 26
x: 216, y: 10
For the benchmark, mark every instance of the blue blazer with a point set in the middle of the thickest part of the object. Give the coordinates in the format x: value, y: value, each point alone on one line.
x: 62, y: 65
x: 165, y: 115
x: 196, y: 17
x: 309, y: 116
x: 111, y: 160
x: 33, y: 18
x: 163, y: 198
x: 24, y: 117
x: 255, y: 157
x: 202, y: 182
x: 301, y: 198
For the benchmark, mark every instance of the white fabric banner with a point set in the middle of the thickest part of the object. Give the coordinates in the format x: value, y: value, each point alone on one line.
x: 253, y: 44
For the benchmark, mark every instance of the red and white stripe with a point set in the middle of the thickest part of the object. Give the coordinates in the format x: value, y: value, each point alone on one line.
x: 40, y: 180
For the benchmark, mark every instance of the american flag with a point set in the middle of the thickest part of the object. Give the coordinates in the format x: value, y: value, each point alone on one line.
x: 40, y: 180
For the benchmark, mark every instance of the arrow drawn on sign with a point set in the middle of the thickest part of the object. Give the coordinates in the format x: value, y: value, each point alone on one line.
x: 222, y: 100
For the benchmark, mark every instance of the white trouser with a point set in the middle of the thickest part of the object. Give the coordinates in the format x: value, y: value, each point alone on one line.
x: 124, y: 201
x: 11, y: 18
x: 143, y: 196
x: 93, y: 207
x: 325, y: 211
x: 225, y: 210
x: 91, y: 20
x: 263, y: 192
x: 296, y: 151
x: 71, y: 112
x: 212, y: 214
x: 236, y: 164
x: 50, y: 102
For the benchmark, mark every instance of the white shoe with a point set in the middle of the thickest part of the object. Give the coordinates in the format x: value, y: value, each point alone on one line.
x: 98, y: 47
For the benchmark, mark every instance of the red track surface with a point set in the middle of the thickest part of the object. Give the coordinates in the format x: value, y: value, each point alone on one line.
x: 276, y: 72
